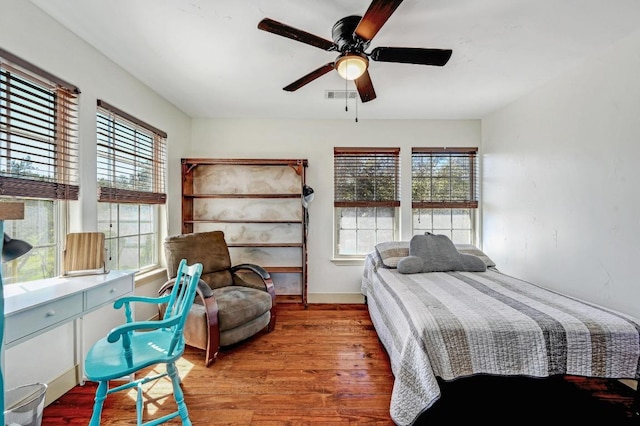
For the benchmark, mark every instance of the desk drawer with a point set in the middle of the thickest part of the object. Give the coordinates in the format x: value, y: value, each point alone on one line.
x: 109, y: 292
x: 39, y: 318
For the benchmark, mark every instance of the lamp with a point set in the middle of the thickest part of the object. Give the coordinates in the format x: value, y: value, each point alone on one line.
x: 13, y: 249
x: 351, y: 66
x: 307, y: 195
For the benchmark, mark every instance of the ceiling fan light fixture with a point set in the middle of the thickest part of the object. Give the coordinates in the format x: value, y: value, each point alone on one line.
x: 351, y: 66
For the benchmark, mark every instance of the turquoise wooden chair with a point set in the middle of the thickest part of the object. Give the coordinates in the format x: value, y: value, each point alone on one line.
x: 139, y: 344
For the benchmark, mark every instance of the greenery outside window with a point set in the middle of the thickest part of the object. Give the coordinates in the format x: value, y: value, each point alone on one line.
x: 38, y: 162
x: 131, y: 163
x: 366, y: 199
x: 444, y: 192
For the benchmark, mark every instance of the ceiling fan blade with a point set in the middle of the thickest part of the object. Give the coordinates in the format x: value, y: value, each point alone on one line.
x: 309, y: 77
x: 411, y: 55
x: 365, y: 87
x: 375, y: 17
x: 271, y: 26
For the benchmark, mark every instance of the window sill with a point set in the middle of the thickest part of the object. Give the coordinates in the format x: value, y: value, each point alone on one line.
x: 355, y: 261
x: 150, y: 276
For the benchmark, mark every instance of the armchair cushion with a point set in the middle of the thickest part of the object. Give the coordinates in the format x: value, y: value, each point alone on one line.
x: 238, y: 305
x: 232, y: 329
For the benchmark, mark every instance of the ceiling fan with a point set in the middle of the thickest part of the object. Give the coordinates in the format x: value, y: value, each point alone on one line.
x: 351, y: 38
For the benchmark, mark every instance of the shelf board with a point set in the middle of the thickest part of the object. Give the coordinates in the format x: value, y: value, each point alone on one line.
x: 288, y: 298
x: 245, y: 161
x: 283, y: 269
x: 264, y: 244
x: 240, y: 221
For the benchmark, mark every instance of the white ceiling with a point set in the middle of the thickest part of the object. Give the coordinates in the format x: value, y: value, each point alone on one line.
x: 208, y: 58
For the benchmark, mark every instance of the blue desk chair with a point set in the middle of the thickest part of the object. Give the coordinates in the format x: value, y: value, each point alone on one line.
x: 139, y: 344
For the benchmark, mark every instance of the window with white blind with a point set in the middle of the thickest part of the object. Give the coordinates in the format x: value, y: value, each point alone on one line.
x: 38, y: 161
x: 366, y: 199
x: 444, y: 192
x: 131, y: 162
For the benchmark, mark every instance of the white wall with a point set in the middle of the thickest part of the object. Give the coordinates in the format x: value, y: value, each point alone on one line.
x: 561, y: 200
x: 314, y: 140
x: 30, y: 34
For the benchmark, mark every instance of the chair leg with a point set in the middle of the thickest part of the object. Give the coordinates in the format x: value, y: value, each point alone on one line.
x: 178, y: 394
x: 101, y: 395
x: 139, y: 404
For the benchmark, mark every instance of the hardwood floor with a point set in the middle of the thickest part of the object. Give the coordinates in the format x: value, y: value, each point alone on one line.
x: 324, y: 365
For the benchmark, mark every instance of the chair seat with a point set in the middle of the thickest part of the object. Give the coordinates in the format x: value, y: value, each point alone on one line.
x: 106, y: 361
x: 239, y: 305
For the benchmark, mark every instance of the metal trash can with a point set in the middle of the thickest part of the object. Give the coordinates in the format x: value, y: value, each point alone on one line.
x: 24, y: 405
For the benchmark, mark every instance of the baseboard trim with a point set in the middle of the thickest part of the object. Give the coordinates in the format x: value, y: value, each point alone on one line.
x: 61, y: 385
x: 335, y: 298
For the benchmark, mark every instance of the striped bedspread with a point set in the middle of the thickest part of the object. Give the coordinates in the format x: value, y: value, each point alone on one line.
x: 456, y: 324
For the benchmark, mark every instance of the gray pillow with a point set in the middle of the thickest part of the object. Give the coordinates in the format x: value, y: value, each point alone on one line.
x: 438, y: 254
x: 473, y: 263
x: 471, y: 249
x: 410, y: 265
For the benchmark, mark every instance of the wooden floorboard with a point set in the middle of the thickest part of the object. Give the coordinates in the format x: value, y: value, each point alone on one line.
x: 324, y: 365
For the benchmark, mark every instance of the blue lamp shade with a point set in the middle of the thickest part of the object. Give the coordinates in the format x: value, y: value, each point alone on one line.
x: 13, y: 249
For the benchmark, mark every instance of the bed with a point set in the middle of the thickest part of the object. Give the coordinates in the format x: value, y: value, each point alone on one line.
x: 449, y: 324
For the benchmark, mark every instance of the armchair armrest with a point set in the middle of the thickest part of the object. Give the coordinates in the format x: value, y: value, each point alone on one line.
x: 267, y: 284
x: 265, y: 278
x: 259, y: 270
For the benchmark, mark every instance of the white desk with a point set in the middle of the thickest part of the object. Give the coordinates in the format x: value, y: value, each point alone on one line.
x: 34, y: 307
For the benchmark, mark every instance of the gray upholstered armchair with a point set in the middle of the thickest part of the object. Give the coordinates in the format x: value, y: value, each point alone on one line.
x: 232, y: 304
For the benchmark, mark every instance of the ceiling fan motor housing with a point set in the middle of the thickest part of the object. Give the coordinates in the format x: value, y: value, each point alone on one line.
x: 343, y: 34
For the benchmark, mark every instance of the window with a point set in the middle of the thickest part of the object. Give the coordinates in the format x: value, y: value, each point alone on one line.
x: 131, y: 186
x: 38, y: 161
x: 444, y: 192
x: 366, y: 198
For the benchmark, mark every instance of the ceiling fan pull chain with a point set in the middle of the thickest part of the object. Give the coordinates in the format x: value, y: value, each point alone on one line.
x: 346, y: 96
x: 356, y: 100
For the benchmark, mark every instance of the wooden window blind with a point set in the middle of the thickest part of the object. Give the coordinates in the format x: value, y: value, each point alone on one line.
x: 444, y: 177
x: 366, y: 177
x: 131, y: 158
x: 38, y: 132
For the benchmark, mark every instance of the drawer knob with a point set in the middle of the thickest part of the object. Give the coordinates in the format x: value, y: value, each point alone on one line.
x: 113, y: 290
x: 50, y: 313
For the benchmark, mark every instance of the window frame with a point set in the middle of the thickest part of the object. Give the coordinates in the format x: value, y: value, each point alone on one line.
x: 38, y: 133
x: 129, y: 148
x: 347, y: 173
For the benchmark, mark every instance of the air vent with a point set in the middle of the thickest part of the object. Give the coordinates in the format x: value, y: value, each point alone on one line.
x: 340, y: 94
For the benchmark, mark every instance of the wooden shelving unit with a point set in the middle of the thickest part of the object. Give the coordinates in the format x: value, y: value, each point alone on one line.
x: 257, y: 203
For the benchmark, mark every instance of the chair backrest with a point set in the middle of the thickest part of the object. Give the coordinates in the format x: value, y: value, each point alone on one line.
x: 181, y: 299
x: 208, y: 248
